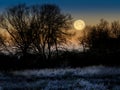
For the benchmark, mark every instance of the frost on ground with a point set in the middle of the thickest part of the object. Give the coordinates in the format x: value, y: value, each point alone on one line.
x: 89, y: 78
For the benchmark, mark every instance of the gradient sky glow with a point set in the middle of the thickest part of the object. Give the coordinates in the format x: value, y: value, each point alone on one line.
x: 91, y: 11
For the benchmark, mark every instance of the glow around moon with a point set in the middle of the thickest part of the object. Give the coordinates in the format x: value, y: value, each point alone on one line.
x: 79, y: 24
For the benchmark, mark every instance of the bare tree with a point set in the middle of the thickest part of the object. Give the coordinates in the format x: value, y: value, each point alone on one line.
x: 54, y: 26
x: 37, y: 26
x: 16, y: 20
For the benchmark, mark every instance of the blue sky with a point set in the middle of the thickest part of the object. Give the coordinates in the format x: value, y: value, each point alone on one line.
x: 89, y: 10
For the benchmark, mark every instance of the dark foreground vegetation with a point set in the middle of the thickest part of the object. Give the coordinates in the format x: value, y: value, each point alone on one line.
x: 67, y: 59
x: 37, y: 33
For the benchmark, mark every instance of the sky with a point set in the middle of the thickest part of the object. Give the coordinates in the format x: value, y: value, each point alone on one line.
x: 91, y: 11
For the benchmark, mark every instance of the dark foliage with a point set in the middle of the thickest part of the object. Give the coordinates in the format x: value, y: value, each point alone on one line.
x: 67, y: 59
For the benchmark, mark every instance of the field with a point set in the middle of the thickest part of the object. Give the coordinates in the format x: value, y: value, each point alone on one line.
x: 87, y: 78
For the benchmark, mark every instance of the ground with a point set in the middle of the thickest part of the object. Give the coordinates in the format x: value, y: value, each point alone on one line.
x: 87, y: 78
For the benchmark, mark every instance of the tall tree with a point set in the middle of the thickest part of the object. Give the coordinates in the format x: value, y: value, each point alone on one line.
x: 54, y: 26
x: 37, y: 25
x: 16, y: 20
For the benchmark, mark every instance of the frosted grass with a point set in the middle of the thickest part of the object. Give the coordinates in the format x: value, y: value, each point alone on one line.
x: 88, y: 78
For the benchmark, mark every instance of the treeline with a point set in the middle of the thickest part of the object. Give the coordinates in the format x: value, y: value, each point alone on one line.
x: 104, y: 37
x: 37, y: 35
x: 101, y: 43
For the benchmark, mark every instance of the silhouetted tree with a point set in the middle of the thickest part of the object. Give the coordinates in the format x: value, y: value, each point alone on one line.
x: 98, y: 36
x: 54, y: 26
x: 16, y: 20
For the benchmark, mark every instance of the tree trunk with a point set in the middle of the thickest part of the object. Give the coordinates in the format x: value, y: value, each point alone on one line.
x: 49, y: 51
x: 43, y: 52
x: 56, y: 49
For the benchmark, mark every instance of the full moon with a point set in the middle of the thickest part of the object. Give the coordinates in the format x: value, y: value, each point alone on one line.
x: 79, y: 24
